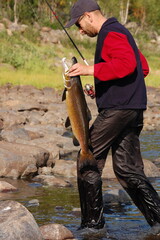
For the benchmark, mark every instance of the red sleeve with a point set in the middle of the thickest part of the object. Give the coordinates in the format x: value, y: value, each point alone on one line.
x: 119, y: 58
x: 145, y: 66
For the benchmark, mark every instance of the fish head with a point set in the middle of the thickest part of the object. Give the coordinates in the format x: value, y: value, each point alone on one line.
x: 66, y: 78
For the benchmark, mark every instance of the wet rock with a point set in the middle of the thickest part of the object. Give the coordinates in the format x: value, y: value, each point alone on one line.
x: 116, y: 196
x: 76, y: 212
x: 33, y: 203
x: 30, y: 171
x: 7, y: 187
x: 56, y: 232
x: 52, y: 181
x: 15, y: 159
x: 16, y: 222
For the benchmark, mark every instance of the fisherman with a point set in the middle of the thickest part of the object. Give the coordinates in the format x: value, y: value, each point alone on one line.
x: 119, y: 70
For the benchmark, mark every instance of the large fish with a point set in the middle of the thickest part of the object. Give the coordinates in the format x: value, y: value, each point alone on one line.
x: 79, y: 114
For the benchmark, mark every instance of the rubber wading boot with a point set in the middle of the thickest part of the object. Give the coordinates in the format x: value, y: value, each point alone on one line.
x: 91, y: 201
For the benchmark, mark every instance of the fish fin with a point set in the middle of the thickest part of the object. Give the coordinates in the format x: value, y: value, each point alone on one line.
x: 86, y: 159
x: 64, y: 95
x: 75, y: 141
x: 67, y: 122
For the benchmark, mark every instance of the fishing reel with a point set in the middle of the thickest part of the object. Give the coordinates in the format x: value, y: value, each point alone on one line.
x: 89, y: 90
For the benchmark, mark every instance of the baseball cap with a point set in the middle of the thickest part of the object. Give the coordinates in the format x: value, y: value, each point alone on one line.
x: 79, y: 8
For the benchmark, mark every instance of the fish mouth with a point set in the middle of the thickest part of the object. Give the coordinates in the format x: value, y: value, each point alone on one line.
x: 67, y: 80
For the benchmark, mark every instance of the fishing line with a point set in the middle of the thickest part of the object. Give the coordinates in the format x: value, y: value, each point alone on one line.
x: 66, y: 33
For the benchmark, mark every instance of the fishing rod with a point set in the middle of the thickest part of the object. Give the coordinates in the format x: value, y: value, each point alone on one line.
x: 67, y: 33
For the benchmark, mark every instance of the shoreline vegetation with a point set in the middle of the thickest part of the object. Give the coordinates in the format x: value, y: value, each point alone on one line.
x: 31, y: 55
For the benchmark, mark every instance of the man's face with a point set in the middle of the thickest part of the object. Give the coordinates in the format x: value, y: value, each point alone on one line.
x: 85, y: 26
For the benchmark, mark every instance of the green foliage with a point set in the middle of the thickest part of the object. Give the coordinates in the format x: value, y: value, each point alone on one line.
x: 40, y: 65
x: 31, y: 34
x: 21, y: 53
x: 144, y: 12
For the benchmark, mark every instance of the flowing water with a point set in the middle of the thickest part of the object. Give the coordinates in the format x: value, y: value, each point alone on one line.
x: 123, y: 221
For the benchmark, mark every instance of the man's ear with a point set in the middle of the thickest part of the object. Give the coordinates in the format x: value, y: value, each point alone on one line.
x: 89, y: 16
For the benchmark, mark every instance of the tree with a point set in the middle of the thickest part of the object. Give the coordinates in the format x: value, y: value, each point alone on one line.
x: 15, y: 12
x: 143, y: 12
x: 124, y: 9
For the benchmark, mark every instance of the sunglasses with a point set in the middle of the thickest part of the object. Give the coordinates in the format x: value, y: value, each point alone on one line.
x: 78, y: 21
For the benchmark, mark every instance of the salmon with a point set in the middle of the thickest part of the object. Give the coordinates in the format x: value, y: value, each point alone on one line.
x: 78, y: 115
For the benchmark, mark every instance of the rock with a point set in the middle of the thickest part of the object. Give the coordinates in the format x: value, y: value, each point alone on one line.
x: 116, y: 196
x: 33, y: 203
x: 157, y: 162
x: 6, y: 187
x: 16, y: 158
x: 9, y: 32
x: 49, y: 35
x: 108, y: 169
x: 65, y: 168
x: 158, y: 39
x: 55, y: 232
x: 131, y: 25
x: 16, y: 222
x: 13, y: 134
x: 30, y: 171
x: 20, y: 106
x: 6, y: 21
x: 150, y: 169
x: 76, y: 212
x: 2, y: 27
x: 45, y: 171
x: 52, y: 181
x: 39, y: 122
x: 11, y: 118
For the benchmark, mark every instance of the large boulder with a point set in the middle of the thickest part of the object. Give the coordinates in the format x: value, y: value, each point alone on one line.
x: 56, y: 232
x: 16, y: 222
x: 150, y: 169
x: 15, y: 159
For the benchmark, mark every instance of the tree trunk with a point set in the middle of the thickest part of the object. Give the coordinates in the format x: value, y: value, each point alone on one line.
x: 127, y: 10
x: 124, y: 11
x: 15, y: 12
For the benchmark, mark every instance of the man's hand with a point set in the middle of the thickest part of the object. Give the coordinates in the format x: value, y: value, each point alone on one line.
x: 79, y: 69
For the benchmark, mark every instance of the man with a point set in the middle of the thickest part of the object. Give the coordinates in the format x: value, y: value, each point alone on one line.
x: 119, y: 72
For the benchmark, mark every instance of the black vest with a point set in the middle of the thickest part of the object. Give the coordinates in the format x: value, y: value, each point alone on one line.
x: 125, y: 93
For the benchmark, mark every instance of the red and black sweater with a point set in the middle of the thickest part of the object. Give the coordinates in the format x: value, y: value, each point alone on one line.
x: 119, y: 69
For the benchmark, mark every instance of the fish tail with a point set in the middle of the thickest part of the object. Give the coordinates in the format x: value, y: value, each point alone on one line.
x: 86, y: 159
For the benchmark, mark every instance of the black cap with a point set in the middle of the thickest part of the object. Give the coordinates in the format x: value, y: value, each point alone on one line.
x: 79, y: 8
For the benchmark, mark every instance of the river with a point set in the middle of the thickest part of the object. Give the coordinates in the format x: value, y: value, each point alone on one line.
x: 123, y: 221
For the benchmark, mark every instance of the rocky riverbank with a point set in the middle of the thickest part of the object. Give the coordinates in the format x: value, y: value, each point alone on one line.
x: 34, y: 141
x: 34, y: 144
